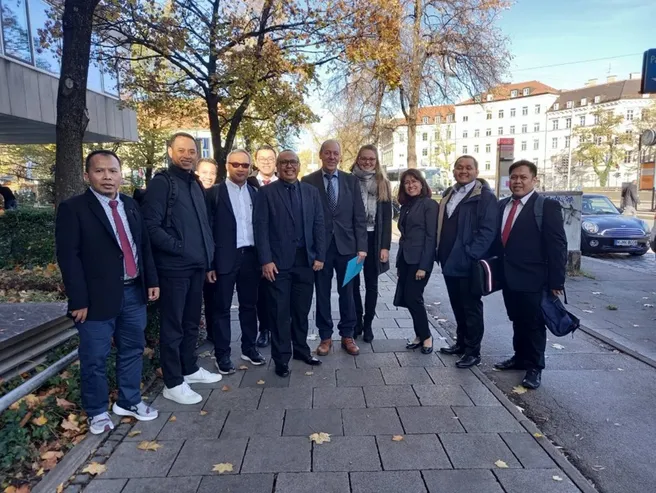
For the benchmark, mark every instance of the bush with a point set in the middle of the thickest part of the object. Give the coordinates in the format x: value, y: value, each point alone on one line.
x: 27, y: 237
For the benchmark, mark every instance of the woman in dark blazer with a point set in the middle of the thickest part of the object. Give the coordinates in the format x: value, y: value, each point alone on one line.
x: 376, y: 195
x: 414, y: 262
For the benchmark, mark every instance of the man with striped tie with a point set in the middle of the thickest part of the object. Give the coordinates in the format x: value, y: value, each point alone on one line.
x: 346, y: 237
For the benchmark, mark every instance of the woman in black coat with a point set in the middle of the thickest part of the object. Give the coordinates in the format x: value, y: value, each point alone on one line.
x: 376, y: 195
x: 414, y: 262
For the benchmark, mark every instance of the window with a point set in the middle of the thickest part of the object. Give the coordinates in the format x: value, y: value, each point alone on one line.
x: 476, y: 149
x: 448, y: 133
x: 477, y: 98
x: 524, y: 110
x: 465, y: 118
x: 436, y: 135
x: 524, y: 128
x: 616, y: 140
x: 488, y: 165
x: 500, y: 113
x: 488, y: 132
x: 477, y: 133
x: 597, y: 99
x: 526, y: 91
x: 424, y: 136
x: 567, y: 140
x: 513, y: 93
x: 449, y: 118
x: 488, y: 148
x: 424, y: 120
x: 565, y: 160
x: 569, y: 104
x: 489, y: 115
x: 556, y: 106
x: 489, y: 97
x: 537, y: 109
x: 597, y: 119
x: 599, y: 140
x: 582, y: 121
x: 438, y: 119
x: 536, y: 127
x: 424, y: 152
x: 15, y: 31
x: 629, y: 115
x: 464, y: 134
x: 554, y: 143
x: 628, y: 157
x: 46, y: 58
x: 500, y: 130
x: 401, y: 137
x: 554, y: 124
x: 512, y: 129
x: 536, y: 144
x: 464, y: 149
x: 584, y: 101
x: 204, y: 147
x: 568, y: 123
x: 523, y: 145
x: 512, y: 112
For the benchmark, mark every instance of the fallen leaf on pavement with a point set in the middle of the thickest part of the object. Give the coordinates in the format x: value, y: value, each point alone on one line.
x: 60, y: 488
x: 556, y: 478
x: 620, y: 369
x: 520, y: 409
x: 518, y: 389
x: 94, y: 468
x: 243, y: 367
x: 203, y: 413
x: 309, y: 373
x: 260, y: 382
x: 587, y: 311
x: 501, y: 464
x: 225, y: 388
x: 40, y: 421
x: 149, y: 353
x: 134, y: 433
x: 320, y: 437
x: 558, y: 346
x: 126, y: 420
x: 21, y: 489
x: 397, y: 438
x: 52, y: 454
x: 146, y: 445
x: 172, y: 419
x: 40, y: 472
x: 223, y: 467
x: 596, y: 292
x: 538, y: 435
x: 64, y: 404
x: 636, y: 325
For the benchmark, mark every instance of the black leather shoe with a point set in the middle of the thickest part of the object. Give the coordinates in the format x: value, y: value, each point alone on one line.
x: 467, y: 361
x: 264, y: 339
x: 414, y: 345
x: 310, y: 360
x: 455, y: 349
x: 509, y: 364
x: 426, y: 349
x: 368, y: 332
x: 282, y: 370
x: 533, y: 379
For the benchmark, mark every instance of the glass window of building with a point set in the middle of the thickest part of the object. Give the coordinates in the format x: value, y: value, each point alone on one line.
x: 512, y: 112
x: 465, y: 118
x: 536, y: 127
x: 525, y: 110
x: 464, y: 149
x: 554, y: 124
x: 500, y: 129
x: 488, y: 148
x: 489, y: 115
x: 15, y: 30
x: 205, y: 147
x: 536, y: 144
x: 524, y: 128
x: 523, y: 145
x: 568, y: 123
x: 45, y: 58
x: 488, y: 165
x: 424, y: 120
x: 537, y: 109
x: 500, y: 113
x: 424, y: 152
x: 488, y: 132
x: 512, y: 129
x: 476, y: 149
x: 464, y: 134
x: 424, y: 136
x: 582, y: 120
x: 477, y: 133
x: 554, y: 143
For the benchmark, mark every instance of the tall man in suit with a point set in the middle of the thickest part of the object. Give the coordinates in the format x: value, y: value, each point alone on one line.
x: 289, y: 235
x: 235, y: 261
x: 346, y: 237
x: 104, y: 254
x: 534, y: 251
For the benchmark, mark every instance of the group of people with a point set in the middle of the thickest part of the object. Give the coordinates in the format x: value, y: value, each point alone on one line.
x: 276, y: 239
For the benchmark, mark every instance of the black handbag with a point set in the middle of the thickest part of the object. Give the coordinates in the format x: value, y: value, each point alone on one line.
x: 486, y: 276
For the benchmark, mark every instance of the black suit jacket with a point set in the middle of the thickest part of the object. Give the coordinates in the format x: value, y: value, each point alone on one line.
x: 224, y: 226
x: 275, y: 227
x: 348, y: 224
x: 91, y: 259
x: 533, y: 261
x: 418, y: 227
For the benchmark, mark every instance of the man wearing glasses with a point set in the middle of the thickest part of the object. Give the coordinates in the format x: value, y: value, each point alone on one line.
x: 289, y: 234
x: 235, y: 261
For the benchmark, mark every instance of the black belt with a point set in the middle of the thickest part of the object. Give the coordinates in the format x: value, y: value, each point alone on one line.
x: 130, y: 282
x: 246, y: 249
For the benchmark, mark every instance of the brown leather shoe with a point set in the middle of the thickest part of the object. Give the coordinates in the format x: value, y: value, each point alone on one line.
x: 348, y: 344
x: 324, y: 348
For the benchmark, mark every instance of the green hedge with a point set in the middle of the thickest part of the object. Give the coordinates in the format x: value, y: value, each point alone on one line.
x: 27, y: 237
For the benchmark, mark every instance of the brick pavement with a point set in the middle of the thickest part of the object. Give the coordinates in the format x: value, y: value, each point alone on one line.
x: 454, y: 429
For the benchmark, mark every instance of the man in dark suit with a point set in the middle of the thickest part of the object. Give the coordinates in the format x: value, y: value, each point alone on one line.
x: 235, y: 261
x: 104, y: 254
x: 289, y: 235
x: 346, y: 237
x: 533, y: 246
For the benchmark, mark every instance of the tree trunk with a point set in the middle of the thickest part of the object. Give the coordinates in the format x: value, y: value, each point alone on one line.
x: 72, y: 119
x: 415, y: 80
x: 215, y: 131
x: 148, y: 175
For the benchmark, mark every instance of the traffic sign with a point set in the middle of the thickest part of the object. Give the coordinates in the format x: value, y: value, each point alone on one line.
x: 649, y: 72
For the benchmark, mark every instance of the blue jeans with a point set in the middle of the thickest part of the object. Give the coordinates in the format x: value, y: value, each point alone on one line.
x: 127, y: 329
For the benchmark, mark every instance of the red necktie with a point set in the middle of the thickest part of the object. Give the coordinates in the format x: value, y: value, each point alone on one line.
x: 266, y: 182
x: 509, y: 222
x: 130, y: 264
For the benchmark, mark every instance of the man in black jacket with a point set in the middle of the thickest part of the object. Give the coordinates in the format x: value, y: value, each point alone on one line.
x: 466, y: 231
x: 346, y: 237
x: 176, y: 217
x: 109, y: 274
x: 533, y: 247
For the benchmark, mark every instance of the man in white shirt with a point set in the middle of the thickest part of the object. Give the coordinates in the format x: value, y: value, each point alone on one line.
x: 235, y: 261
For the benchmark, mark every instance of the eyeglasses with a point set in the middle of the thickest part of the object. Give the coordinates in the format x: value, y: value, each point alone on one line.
x: 266, y: 160
x: 367, y: 159
x: 288, y: 162
x: 239, y: 165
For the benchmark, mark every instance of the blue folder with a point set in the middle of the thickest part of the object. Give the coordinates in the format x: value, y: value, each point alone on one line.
x: 352, y: 269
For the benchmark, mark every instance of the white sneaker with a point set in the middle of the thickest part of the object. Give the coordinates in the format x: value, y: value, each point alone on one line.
x: 142, y: 411
x: 100, y: 423
x: 182, y: 394
x: 203, y: 376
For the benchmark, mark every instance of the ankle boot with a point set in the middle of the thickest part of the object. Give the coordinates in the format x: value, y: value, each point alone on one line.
x: 368, y: 331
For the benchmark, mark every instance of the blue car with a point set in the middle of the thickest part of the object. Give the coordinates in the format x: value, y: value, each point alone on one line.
x: 605, y: 230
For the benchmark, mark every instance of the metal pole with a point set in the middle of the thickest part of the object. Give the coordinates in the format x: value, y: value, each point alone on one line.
x: 36, y: 381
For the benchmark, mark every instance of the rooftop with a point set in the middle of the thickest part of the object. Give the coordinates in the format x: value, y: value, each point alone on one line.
x: 434, y: 114
x: 514, y: 90
x: 593, y: 93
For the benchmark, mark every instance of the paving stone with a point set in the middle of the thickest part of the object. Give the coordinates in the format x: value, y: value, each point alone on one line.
x: 243, y: 483
x: 477, y: 450
x: 387, y: 482
x: 73, y: 488
x: 480, y: 394
x: 405, y: 334
x: 535, y: 481
x: 320, y: 377
x: 280, y: 454
x: 128, y: 461
x: 365, y: 347
x: 337, y: 359
x: 376, y: 421
x: 390, y: 396
x: 405, y: 323
x: 165, y: 405
x: 296, y: 398
x: 487, y: 419
x: 405, y: 376
x: 98, y: 459
x: 462, y: 481
x: 416, y: 358
x: 384, y: 323
x: 411, y: 453
x: 304, y: 422
x: 528, y: 450
x: 193, y: 424
x: 442, y: 395
x: 149, y: 429
x: 395, y: 314
x: 232, y: 380
x: 304, y: 482
x: 389, y: 346
x: 81, y: 479
x: 234, y: 400
x: 376, y: 360
x: 429, y: 419
x: 105, y: 486
x: 359, y: 377
x: 452, y: 376
x: 338, y: 398
x: 198, y: 457
x: 264, y: 422
x: 346, y: 454
x: 158, y: 485
x: 266, y: 375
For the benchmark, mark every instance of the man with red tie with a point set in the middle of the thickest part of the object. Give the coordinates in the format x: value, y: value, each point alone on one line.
x: 103, y: 251
x: 533, y: 247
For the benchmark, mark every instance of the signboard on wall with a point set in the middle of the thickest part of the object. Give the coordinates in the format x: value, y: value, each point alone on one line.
x: 647, y: 176
x: 505, y: 157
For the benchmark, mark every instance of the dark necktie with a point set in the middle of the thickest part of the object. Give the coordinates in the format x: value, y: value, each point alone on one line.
x: 128, y: 256
x: 330, y: 192
x: 509, y: 222
x: 296, y: 211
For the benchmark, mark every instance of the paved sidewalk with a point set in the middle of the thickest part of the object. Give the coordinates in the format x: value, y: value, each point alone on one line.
x: 453, y: 435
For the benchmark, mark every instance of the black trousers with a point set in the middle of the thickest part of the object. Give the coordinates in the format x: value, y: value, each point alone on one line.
x: 263, y: 314
x: 323, y: 281
x: 209, y: 292
x: 246, y: 276
x: 290, y: 297
x: 180, y: 304
x: 529, y: 332
x: 468, y: 310
x: 410, y: 294
x: 370, y: 272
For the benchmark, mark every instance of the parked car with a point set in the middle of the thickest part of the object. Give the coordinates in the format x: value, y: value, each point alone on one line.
x: 605, y: 230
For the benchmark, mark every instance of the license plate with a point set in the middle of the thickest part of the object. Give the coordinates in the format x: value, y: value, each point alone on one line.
x: 626, y: 242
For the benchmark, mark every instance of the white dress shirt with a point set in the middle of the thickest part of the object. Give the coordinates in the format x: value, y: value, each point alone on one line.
x: 520, y: 206
x: 242, y: 206
x: 456, y: 197
x: 104, y: 202
x: 260, y: 179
